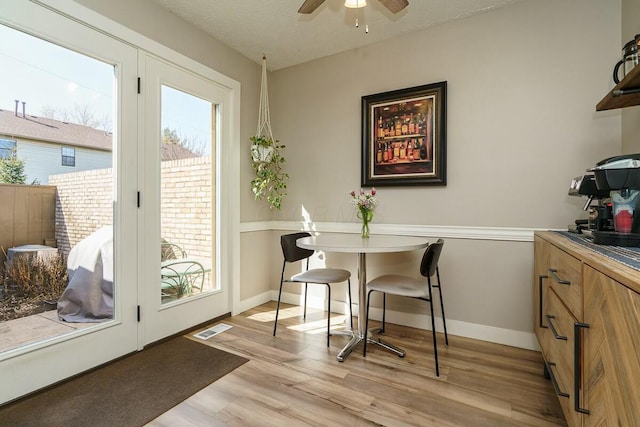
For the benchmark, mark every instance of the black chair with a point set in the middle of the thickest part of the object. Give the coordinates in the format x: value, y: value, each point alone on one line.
x: 395, y: 284
x: 323, y: 276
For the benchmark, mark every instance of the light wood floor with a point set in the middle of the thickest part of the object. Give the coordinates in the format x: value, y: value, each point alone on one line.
x: 294, y: 380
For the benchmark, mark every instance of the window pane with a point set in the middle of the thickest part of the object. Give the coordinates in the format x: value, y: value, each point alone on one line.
x: 187, y: 214
x: 55, y: 111
x: 68, y: 156
x: 6, y: 148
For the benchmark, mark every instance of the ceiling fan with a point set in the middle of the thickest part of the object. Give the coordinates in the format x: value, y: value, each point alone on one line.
x: 394, y: 6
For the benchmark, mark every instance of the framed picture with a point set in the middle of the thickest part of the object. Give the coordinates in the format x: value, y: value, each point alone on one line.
x: 404, y: 137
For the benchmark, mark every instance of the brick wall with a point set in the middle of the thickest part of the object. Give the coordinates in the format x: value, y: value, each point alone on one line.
x: 187, y: 205
x: 84, y: 204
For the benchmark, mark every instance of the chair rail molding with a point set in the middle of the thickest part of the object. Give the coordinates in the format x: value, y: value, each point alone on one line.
x: 509, y: 234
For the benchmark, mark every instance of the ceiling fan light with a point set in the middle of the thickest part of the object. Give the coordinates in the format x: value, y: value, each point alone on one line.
x: 354, y: 4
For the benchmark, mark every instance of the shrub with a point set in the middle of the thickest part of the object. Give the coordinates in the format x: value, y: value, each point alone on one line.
x: 35, y: 278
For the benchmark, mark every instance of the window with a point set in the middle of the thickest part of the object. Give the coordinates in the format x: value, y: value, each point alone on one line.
x: 68, y: 156
x: 7, y: 148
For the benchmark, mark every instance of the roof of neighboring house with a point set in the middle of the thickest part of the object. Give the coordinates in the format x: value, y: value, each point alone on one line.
x: 54, y: 131
x: 175, y: 152
x: 57, y: 132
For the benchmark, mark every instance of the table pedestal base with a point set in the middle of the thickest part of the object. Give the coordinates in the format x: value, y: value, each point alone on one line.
x: 356, y: 339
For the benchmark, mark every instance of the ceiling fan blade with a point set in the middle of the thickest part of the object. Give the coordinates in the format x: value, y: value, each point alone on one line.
x: 395, y: 6
x: 309, y: 6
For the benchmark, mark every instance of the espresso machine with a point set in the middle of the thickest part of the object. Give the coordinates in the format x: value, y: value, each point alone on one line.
x: 600, y: 214
x: 620, y: 176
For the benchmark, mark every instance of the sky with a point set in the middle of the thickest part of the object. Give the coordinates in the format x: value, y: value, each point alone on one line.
x: 47, y: 76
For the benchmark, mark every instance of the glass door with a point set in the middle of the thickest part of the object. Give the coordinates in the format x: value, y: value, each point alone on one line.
x: 68, y: 128
x: 184, y: 124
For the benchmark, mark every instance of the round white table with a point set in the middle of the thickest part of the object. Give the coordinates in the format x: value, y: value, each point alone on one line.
x: 354, y: 243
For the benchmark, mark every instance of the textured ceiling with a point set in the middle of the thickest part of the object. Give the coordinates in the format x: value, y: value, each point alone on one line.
x: 274, y: 27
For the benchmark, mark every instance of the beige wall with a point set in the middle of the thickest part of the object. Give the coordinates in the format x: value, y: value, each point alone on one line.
x: 630, y: 115
x: 523, y: 82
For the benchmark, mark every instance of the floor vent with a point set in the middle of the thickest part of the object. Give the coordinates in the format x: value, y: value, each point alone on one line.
x: 213, y: 331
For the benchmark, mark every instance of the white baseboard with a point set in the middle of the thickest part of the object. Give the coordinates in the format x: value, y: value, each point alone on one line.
x: 255, y: 301
x: 476, y: 331
x: 526, y: 340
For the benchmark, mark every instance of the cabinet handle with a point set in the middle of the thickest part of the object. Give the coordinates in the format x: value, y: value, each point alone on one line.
x: 554, y: 381
x: 577, y: 372
x: 553, y: 272
x: 540, y: 278
x: 553, y: 329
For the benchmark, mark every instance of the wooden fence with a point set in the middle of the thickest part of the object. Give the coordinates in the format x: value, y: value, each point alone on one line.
x: 27, y: 216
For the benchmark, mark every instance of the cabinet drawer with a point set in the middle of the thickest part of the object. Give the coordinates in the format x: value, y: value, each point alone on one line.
x: 565, y: 278
x: 561, y: 353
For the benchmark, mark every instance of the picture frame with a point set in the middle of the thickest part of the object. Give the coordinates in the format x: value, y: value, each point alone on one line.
x: 404, y: 137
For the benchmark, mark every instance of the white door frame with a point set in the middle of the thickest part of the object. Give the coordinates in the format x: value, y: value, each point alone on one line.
x: 230, y: 157
x: 27, y: 370
x: 160, y: 320
x: 30, y: 367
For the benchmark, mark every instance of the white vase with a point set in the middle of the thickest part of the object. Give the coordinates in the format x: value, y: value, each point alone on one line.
x: 261, y: 153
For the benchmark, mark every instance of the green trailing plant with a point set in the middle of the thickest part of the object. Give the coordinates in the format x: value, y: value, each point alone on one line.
x: 270, y: 182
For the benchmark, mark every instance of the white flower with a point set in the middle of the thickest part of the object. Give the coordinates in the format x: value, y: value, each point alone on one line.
x: 364, y: 201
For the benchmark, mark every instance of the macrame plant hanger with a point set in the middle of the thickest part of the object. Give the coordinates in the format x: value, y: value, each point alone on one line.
x: 264, y: 117
x: 270, y: 181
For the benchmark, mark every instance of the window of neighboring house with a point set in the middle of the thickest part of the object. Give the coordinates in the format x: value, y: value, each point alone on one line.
x: 68, y: 156
x: 7, y: 147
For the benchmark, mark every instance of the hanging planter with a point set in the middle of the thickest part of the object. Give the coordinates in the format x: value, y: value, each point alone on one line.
x: 270, y: 182
x: 261, y: 153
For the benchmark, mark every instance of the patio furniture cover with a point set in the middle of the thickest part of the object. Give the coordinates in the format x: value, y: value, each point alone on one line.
x: 89, y: 294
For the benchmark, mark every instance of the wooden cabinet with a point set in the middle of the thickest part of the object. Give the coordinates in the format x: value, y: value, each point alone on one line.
x: 588, y: 324
x: 611, y: 352
x: 559, y: 306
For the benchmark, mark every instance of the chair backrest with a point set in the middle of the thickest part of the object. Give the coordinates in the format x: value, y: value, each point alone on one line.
x: 171, y: 251
x: 290, y: 250
x: 430, y: 258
